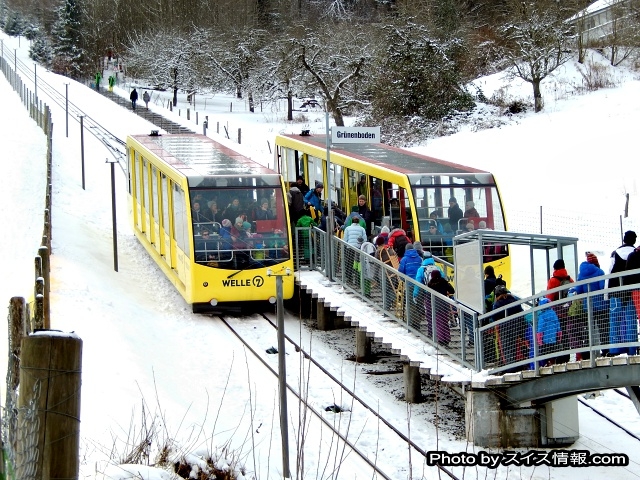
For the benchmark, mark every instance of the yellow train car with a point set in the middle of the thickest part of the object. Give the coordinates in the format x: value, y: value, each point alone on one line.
x: 402, y: 189
x: 213, y: 220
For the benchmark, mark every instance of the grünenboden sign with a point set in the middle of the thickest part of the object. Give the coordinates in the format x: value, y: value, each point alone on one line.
x: 355, y: 135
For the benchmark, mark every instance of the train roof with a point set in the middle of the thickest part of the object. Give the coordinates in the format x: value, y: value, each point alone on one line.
x: 198, y: 155
x: 392, y: 158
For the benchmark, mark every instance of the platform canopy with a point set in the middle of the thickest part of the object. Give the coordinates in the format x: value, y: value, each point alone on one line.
x: 469, y: 250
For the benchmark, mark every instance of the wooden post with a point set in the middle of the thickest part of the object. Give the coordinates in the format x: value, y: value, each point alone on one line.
x: 50, y: 374
x: 44, y: 254
x: 38, y: 317
x: 239, y: 136
x: 16, y: 332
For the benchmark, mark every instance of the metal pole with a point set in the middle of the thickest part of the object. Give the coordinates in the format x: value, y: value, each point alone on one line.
x: 82, y: 147
x: 113, y: 215
x: 329, y: 232
x: 35, y: 82
x: 15, y: 66
x: 66, y: 107
x: 282, y: 377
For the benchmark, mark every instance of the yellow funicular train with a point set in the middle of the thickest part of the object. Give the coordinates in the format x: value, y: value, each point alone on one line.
x: 213, y: 220
x: 402, y: 189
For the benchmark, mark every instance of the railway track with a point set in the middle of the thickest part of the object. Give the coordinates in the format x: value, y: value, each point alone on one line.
x: 609, y: 419
x: 386, y: 430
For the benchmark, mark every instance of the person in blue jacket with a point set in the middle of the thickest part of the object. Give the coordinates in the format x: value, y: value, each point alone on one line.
x: 313, y: 198
x: 548, y: 333
x: 578, y: 329
x: 411, y: 262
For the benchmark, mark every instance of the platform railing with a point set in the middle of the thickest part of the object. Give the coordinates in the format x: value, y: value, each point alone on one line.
x: 488, y: 341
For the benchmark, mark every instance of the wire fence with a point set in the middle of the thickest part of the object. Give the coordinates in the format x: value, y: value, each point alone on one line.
x: 20, y: 425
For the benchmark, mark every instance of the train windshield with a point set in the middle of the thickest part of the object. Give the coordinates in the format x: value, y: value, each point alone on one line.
x: 239, y: 223
x: 450, y: 205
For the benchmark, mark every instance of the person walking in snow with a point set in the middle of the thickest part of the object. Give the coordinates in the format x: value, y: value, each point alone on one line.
x: 146, y: 97
x: 112, y: 82
x: 134, y: 98
x: 98, y: 78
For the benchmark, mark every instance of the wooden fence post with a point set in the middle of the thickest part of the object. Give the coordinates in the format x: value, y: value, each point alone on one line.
x: 43, y: 252
x: 16, y: 332
x: 50, y: 379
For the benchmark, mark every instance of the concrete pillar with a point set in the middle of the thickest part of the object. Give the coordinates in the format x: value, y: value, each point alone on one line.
x: 363, y: 346
x: 412, y: 390
x: 488, y: 425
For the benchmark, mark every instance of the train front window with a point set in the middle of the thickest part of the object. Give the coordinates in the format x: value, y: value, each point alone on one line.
x: 239, y: 226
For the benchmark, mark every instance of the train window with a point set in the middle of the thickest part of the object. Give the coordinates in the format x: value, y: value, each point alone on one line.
x: 138, y: 174
x: 315, y: 171
x: 180, y: 215
x: 249, y: 231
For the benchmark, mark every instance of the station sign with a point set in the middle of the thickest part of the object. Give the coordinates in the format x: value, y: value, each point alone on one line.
x: 355, y: 135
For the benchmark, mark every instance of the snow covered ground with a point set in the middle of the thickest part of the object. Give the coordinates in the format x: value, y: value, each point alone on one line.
x: 142, y: 344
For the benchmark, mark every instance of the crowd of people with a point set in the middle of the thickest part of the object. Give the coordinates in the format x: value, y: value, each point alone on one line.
x: 559, y: 326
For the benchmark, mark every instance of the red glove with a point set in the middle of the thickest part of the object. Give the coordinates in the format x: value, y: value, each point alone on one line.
x: 539, y: 338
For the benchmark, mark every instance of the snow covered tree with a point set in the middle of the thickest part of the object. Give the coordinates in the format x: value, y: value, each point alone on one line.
x: 538, y: 41
x: 14, y: 24
x: 416, y: 76
x: 68, y: 47
x: 163, y: 58
x: 40, y: 51
x: 335, y: 58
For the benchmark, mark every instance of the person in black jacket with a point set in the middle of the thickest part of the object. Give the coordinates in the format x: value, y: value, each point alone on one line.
x: 454, y: 213
x: 134, y: 98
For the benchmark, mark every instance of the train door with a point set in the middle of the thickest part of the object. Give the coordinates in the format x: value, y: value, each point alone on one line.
x: 181, y: 220
x: 166, y: 250
x: 337, y: 189
x: 139, y: 191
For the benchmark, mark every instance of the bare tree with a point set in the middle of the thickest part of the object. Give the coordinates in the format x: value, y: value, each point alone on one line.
x: 538, y: 43
x: 624, y: 36
x: 335, y: 60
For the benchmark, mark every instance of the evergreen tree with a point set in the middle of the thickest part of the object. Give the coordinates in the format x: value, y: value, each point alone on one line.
x: 68, y: 51
x: 14, y: 25
x: 40, y: 51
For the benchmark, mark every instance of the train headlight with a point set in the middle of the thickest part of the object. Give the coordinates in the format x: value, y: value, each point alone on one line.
x: 272, y: 299
x: 213, y: 302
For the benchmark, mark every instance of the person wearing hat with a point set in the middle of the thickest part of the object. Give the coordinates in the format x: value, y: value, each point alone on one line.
x: 303, y: 187
x: 577, y: 328
x: 363, y: 211
x: 510, y: 335
x: 439, y: 284
x: 313, y: 198
x: 411, y: 261
x: 470, y: 211
x: 622, y: 321
x: 263, y: 212
x: 454, y: 213
x: 633, y: 263
x: 559, y: 277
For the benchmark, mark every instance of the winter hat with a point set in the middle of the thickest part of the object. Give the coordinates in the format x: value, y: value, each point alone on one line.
x: 239, y: 220
x: 379, y: 240
x: 482, y: 224
x: 500, y: 290
x: 226, y: 222
x: 319, y: 185
x: 629, y: 238
x: 453, y: 200
x: 246, y: 226
x: 384, y: 229
x: 558, y: 264
x: 470, y: 204
x: 470, y: 226
x: 427, y: 254
x: 409, y: 246
x: 417, y: 246
x: 591, y: 258
x: 436, y: 274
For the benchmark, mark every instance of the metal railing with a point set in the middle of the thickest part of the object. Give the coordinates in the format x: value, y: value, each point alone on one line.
x: 594, y: 323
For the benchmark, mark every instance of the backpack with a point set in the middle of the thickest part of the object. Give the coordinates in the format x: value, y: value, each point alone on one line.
x: 426, y: 273
x: 399, y: 244
x: 563, y: 281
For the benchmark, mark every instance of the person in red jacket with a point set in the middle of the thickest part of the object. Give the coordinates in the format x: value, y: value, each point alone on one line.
x: 560, y: 277
x: 398, y: 240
